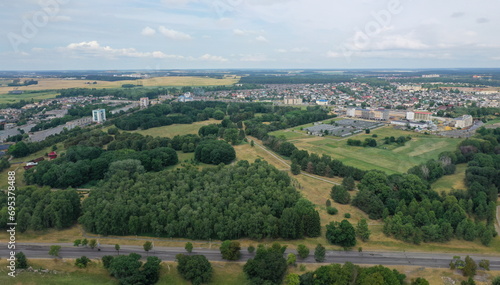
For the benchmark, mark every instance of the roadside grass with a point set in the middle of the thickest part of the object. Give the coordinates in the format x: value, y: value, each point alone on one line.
x: 225, y: 273
x: 67, y: 273
x: 388, y: 158
x: 454, y: 181
x: 176, y: 129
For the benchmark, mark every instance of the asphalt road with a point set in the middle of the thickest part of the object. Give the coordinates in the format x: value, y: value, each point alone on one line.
x: 168, y: 254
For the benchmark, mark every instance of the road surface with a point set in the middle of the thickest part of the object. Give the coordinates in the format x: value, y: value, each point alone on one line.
x: 436, y: 260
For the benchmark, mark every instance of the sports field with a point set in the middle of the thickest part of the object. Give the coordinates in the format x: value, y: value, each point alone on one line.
x: 170, y: 81
x: 388, y: 158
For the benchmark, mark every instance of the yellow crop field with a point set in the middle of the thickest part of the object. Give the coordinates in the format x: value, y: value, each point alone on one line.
x: 169, y: 81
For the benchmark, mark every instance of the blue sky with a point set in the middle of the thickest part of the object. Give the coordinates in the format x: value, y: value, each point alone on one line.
x: 183, y: 34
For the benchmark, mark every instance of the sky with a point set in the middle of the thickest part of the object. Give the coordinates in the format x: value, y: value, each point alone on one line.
x: 223, y: 34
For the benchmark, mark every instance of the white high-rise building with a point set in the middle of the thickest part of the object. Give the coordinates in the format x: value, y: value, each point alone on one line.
x: 99, y: 116
x: 144, y: 102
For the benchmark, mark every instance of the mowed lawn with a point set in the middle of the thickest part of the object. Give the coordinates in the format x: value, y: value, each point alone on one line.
x: 388, y: 158
x: 176, y: 129
x: 454, y: 181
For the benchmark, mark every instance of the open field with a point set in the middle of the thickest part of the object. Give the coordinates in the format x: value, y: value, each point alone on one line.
x: 12, y: 98
x: 448, y: 182
x: 170, y: 81
x: 388, y: 158
x: 176, y: 129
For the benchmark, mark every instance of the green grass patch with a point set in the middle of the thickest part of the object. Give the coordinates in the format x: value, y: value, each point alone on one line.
x: 454, y: 181
x: 389, y: 158
x: 12, y: 98
x: 492, y: 122
x: 176, y: 129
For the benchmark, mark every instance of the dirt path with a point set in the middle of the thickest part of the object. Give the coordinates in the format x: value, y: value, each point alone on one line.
x: 497, y: 224
x: 288, y: 165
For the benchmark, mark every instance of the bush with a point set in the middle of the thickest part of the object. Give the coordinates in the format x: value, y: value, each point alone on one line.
x: 332, y: 210
x: 347, y: 215
x: 82, y: 262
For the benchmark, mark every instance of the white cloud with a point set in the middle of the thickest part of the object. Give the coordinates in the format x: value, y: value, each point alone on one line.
x: 239, y: 32
x: 93, y: 48
x: 173, y: 34
x: 147, y: 31
x: 281, y: 50
x: 254, y: 57
x: 209, y: 57
x: 261, y: 39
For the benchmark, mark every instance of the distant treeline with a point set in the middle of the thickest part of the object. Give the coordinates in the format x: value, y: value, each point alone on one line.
x: 295, y: 79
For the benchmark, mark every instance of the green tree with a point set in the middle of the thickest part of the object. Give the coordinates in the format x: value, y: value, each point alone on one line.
x: 340, y: 195
x: 342, y: 234
x: 54, y: 250
x: 85, y: 242
x: 295, y: 168
x: 106, y: 261
x: 77, y: 242
x: 303, y: 251
x: 348, y: 183
x: 495, y: 281
x: 362, y: 230
x: 230, y: 250
x: 291, y: 259
x: 126, y: 268
x: 117, y: 248
x: 218, y: 115
x: 268, y: 266
x: 470, y: 267
x: 292, y: 279
x: 21, y: 261
x: 92, y: 243
x: 147, y: 246
x: 194, y: 268
x: 319, y: 253
x: 151, y: 270
x: 189, y: 247
x: 484, y: 264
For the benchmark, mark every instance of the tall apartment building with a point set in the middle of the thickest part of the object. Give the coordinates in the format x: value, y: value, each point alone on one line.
x: 144, y: 102
x: 99, y: 116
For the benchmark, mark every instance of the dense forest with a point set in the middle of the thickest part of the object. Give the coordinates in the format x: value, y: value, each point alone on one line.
x: 38, y: 209
x: 245, y: 200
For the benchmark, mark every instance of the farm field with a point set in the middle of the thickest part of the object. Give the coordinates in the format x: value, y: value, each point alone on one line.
x: 388, y: 158
x: 12, y: 98
x: 455, y: 181
x: 172, y: 81
x: 176, y: 129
